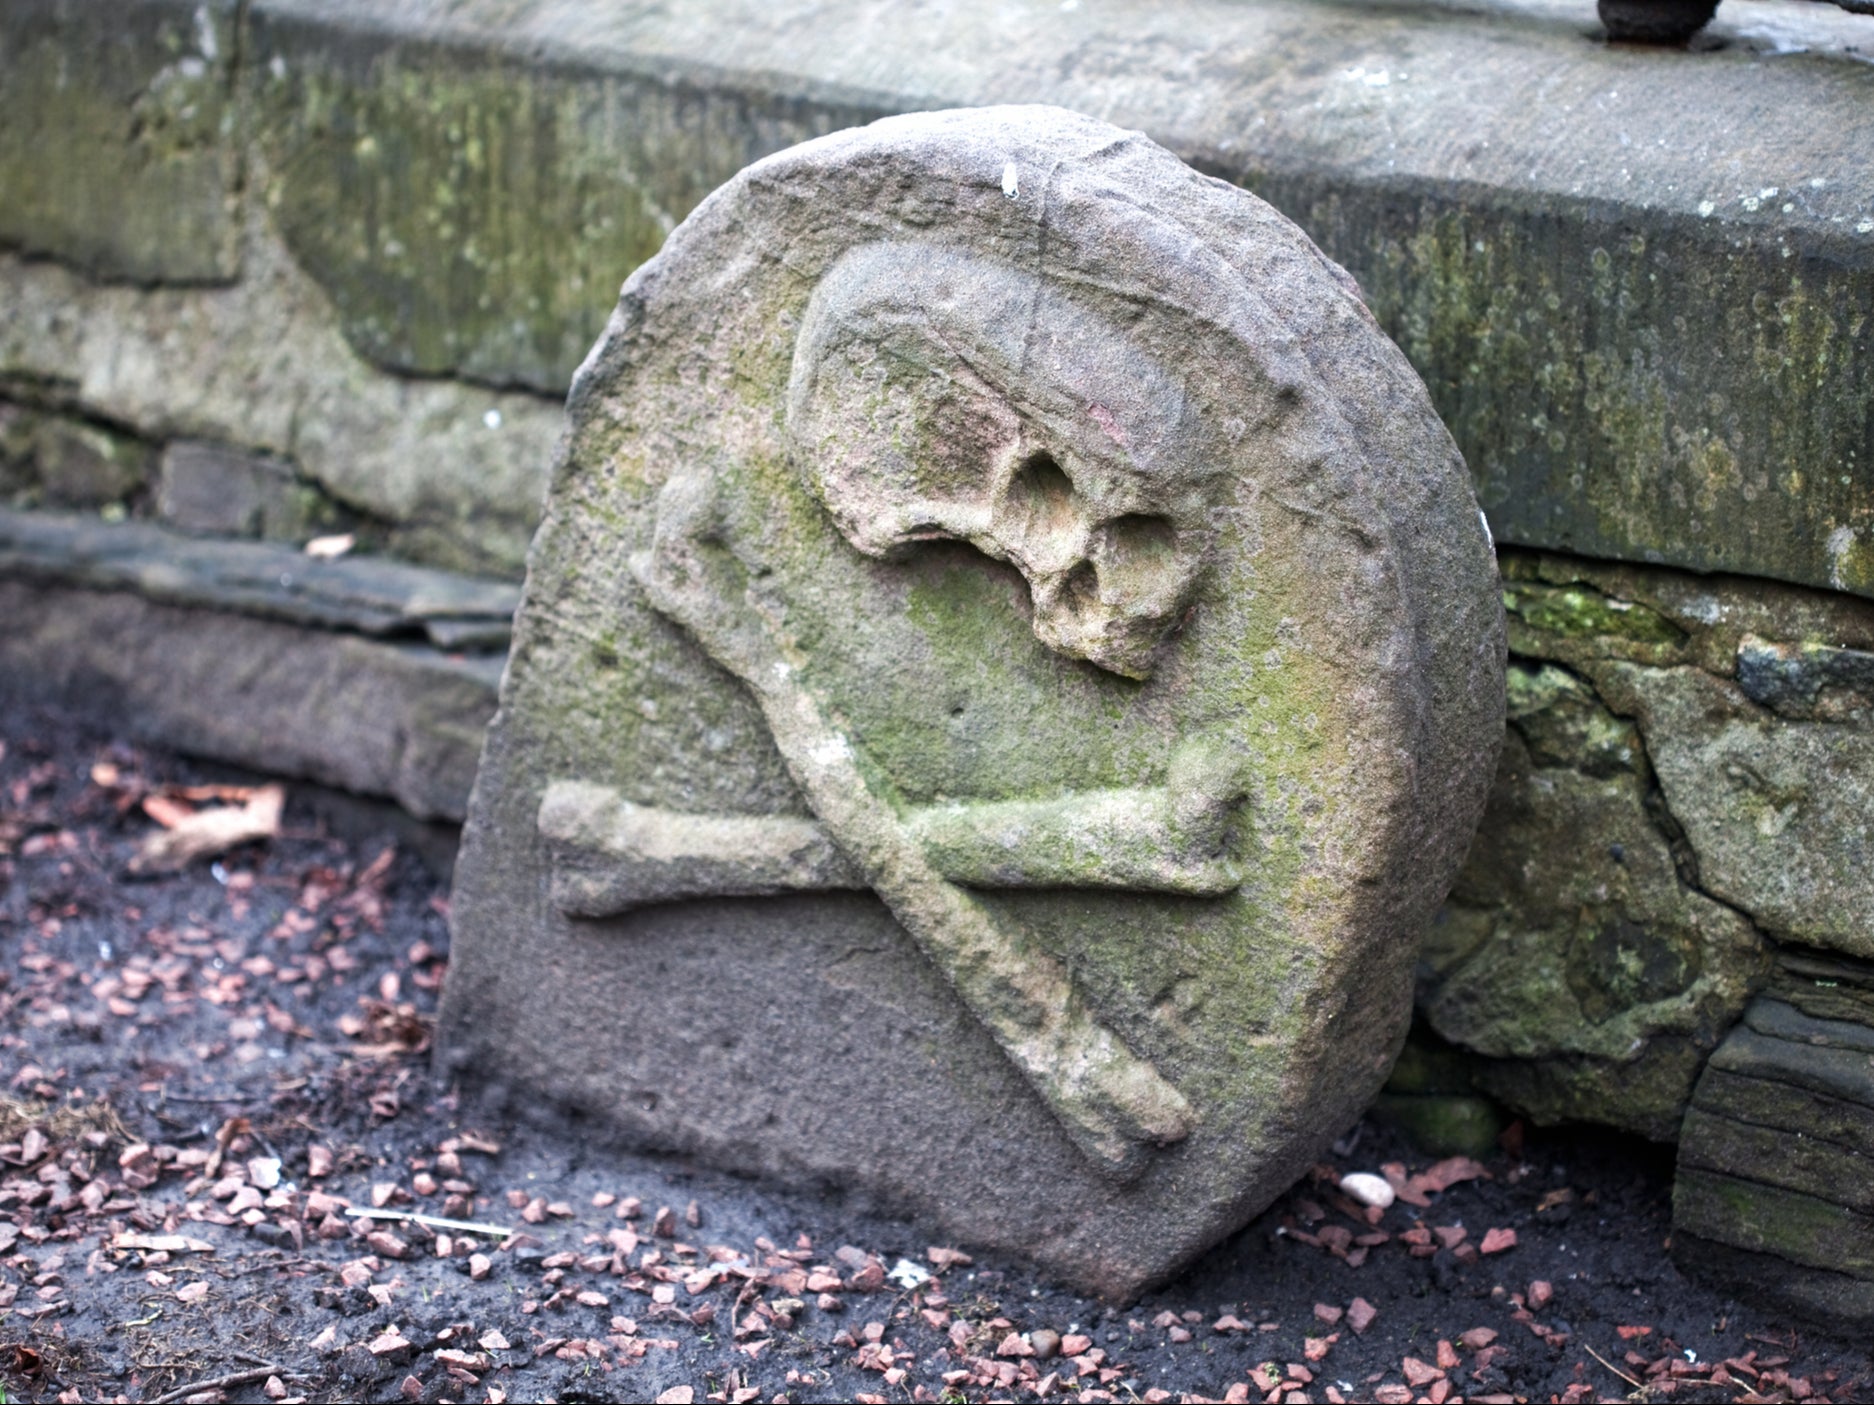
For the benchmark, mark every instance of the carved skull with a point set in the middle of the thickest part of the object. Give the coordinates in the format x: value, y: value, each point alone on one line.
x: 936, y: 394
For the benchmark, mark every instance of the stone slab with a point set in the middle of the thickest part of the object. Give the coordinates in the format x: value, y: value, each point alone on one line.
x: 987, y: 511
x: 1641, y: 331
x: 119, y: 148
x: 378, y: 718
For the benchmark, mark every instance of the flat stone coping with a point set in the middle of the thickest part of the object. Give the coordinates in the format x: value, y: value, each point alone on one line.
x: 1631, y: 277
x: 354, y: 594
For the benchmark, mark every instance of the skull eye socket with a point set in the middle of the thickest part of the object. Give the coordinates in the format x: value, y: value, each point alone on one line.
x: 1043, y: 494
x: 1138, y: 552
x: 1081, y: 590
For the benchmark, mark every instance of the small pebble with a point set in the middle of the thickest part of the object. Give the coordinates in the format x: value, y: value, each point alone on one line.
x: 1368, y: 1189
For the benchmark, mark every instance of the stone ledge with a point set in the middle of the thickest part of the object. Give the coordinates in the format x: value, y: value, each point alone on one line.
x: 362, y: 595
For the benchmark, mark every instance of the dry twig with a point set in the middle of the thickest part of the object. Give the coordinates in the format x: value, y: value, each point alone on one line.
x: 227, y: 1382
x: 1612, y: 1367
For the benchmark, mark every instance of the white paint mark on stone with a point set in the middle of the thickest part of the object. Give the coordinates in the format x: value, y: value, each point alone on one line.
x: 1484, y: 522
x: 1011, y: 181
x: 492, y: 419
x: 1840, y: 543
x: 831, y: 752
x: 1706, y: 209
x: 1372, y: 77
x: 1865, y: 227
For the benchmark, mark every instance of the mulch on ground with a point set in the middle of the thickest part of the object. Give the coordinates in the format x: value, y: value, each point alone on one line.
x: 226, y: 1173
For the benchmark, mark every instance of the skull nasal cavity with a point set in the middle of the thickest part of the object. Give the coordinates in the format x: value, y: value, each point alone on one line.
x: 1044, y: 495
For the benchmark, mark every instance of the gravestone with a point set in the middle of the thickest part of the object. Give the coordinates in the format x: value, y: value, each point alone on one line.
x: 1010, y: 665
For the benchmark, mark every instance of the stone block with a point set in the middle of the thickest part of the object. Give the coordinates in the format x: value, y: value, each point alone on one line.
x: 222, y: 491
x: 1779, y: 810
x: 50, y: 459
x: 1646, y: 347
x: 117, y: 145
x: 1010, y: 664
x: 1572, y: 953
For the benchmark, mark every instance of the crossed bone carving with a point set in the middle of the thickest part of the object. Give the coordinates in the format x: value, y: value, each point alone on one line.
x: 1070, y: 489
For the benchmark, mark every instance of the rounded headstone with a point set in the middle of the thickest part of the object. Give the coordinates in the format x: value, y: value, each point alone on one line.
x: 1011, y: 663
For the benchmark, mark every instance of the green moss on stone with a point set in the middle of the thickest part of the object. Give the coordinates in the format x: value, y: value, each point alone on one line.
x: 474, y: 213
x: 1746, y: 1214
x: 117, y: 147
x: 1577, y: 612
x: 1656, y: 388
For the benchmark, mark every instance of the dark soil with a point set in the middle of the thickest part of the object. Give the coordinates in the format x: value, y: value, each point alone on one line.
x: 173, y: 1044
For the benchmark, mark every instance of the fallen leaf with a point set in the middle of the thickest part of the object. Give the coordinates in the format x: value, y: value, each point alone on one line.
x: 1451, y: 1171
x: 204, y: 833
x: 230, y: 1129
x: 1497, y: 1240
x: 332, y: 547
x: 1420, y: 1373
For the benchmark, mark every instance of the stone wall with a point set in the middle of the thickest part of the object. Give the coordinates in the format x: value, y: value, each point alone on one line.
x: 1687, y: 791
x: 279, y: 269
